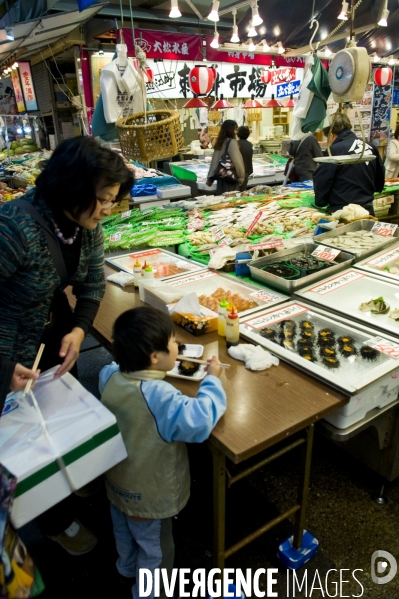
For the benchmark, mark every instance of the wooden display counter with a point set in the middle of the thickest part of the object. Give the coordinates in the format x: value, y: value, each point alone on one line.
x: 264, y: 408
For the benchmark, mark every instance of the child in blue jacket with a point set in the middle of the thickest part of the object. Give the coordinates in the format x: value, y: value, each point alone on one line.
x: 156, y: 420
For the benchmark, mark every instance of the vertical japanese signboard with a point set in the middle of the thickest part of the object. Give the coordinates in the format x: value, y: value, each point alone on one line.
x: 17, y: 90
x: 27, y: 86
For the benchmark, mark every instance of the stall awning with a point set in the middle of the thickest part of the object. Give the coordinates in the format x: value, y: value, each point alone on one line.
x: 31, y: 36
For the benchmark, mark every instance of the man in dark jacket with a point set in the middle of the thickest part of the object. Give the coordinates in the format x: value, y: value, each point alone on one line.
x: 339, y: 185
x: 303, y: 152
x: 247, y: 153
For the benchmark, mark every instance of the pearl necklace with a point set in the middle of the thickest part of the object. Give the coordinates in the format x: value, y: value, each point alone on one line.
x: 60, y: 236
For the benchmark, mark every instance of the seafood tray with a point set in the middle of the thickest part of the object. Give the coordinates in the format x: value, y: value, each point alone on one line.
x: 166, y: 265
x: 248, y: 298
x: 287, y: 259
x: 362, y: 229
x: 346, y: 292
x: 328, y: 347
x: 384, y: 264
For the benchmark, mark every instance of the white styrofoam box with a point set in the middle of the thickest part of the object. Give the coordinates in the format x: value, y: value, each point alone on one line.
x: 174, y: 191
x: 85, y: 442
x: 378, y: 395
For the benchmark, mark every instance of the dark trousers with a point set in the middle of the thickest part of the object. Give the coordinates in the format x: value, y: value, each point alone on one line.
x: 243, y: 187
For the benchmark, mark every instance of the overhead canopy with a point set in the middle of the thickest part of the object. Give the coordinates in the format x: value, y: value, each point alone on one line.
x: 31, y: 36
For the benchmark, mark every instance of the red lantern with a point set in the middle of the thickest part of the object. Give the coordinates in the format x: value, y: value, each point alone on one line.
x: 383, y: 76
x: 266, y: 76
x: 201, y: 80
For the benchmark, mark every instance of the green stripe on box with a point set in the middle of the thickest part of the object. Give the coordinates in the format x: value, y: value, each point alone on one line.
x: 75, y: 454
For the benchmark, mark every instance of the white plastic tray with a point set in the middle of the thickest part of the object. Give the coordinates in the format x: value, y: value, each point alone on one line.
x: 193, y: 350
x: 198, y: 376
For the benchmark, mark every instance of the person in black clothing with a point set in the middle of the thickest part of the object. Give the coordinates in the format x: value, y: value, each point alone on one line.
x: 336, y: 185
x: 303, y: 151
x: 246, y: 150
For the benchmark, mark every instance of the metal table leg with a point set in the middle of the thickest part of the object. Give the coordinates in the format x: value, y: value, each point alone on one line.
x: 304, y: 488
x: 219, y: 507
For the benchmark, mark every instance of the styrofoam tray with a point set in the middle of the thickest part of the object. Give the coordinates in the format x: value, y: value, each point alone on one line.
x: 164, y: 264
x: 193, y: 350
x: 198, y: 376
x: 207, y: 282
x: 376, y: 264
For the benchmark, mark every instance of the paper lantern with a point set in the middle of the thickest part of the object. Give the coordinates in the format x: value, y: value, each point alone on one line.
x: 201, y: 80
x: 383, y: 76
x: 266, y: 76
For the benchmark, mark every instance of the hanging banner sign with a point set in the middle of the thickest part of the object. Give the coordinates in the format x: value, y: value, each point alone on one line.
x: 17, y: 90
x: 7, y: 97
x: 282, y: 75
x: 288, y: 89
x: 27, y: 85
x: 165, y: 45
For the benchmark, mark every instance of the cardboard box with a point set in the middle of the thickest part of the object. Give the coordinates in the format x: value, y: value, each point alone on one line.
x: 123, y: 206
x: 82, y: 442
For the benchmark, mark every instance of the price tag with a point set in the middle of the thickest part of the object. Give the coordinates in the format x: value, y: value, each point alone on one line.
x: 226, y: 241
x: 263, y: 246
x: 384, y: 229
x: 326, y: 253
x: 269, y: 318
x: 218, y: 235
x: 266, y: 295
x: 252, y: 225
x: 384, y: 258
x: 115, y: 237
x: 126, y: 214
x: 389, y: 348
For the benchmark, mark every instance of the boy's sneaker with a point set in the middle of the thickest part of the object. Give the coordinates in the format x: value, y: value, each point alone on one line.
x: 82, y: 542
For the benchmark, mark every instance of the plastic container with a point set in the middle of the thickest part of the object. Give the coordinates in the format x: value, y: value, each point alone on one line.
x: 232, y: 328
x: 148, y: 273
x: 222, y: 314
x: 136, y: 272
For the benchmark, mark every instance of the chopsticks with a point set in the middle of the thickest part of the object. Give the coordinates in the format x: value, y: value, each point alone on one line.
x: 204, y: 362
x: 34, y: 368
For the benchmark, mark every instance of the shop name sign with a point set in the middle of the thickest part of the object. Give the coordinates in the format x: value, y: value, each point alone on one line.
x: 283, y: 75
x: 288, y: 89
x: 27, y: 86
x: 164, y: 45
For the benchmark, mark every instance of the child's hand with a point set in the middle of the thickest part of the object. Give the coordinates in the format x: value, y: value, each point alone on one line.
x: 213, y: 366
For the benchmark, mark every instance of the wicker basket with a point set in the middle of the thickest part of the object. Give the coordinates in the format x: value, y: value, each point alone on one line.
x: 149, y: 136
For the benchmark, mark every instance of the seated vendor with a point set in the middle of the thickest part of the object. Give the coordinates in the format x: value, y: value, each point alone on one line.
x: 337, y: 185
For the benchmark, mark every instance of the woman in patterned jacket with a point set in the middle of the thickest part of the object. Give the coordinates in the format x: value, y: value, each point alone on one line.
x: 75, y: 191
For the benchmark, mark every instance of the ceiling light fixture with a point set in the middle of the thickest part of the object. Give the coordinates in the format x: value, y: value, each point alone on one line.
x: 252, y: 103
x: 272, y: 103
x: 214, y: 14
x: 280, y: 47
x: 391, y: 60
x: 174, y: 10
x: 221, y: 104
x: 266, y: 46
x: 9, y: 34
x: 195, y: 103
x: 234, y: 38
x: 252, y: 31
x: 251, y: 46
x: 342, y: 15
x: 376, y: 57
x: 100, y: 50
x: 215, y: 41
x: 256, y: 19
x: 383, y: 22
x: 327, y: 51
x: 290, y: 103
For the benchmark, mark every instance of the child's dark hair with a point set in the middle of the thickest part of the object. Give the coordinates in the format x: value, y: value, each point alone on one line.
x: 243, y: 132
x: 139, y: 332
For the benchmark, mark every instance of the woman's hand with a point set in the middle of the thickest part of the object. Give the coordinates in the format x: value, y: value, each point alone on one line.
x: 21, y: 376
x: 70, y: 347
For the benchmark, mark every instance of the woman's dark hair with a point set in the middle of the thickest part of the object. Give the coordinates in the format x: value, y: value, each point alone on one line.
x: 75, y: 169
x: 139, y: 332
x: 243, y: 132
x: 396, y: 134
x: 227, y: 131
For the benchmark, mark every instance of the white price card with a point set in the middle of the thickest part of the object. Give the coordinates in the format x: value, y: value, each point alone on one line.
x: 384, y: 229
x: 262, y: 246
x: 126, y: 214
x: 193, y: 278
x: 266, y: 295
x: 226, y: 241
x: 264, y: 320
x: 115, y: 237
x: 325, y: 253
x: 389, y: 348
x: 218, y: 234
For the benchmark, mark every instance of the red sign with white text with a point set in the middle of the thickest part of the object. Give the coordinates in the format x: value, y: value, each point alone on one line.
x: 162, y: 44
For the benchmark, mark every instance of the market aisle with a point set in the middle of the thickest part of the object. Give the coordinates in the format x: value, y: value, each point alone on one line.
x: 349, y: 526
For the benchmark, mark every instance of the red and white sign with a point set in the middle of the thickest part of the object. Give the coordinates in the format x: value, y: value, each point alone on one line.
x: 282, y: 75
x: 385, y: 258
x: 193, y: 279
x: 226, y: 241
x: 27, y: 86
x: 252, y: 225
x: 263, y: 246
x: 201, y: 80
x: 325, y: 253
x: 389, y: 348
x: 163, y: 44
x: 383, y: 76
x: 115, y: 237
x: 265, y: 295
x: 147, y: 253
x: 384, y: 229
x: 336, y: 283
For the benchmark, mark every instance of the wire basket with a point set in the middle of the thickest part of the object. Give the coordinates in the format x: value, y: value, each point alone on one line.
x: 153, y: 135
